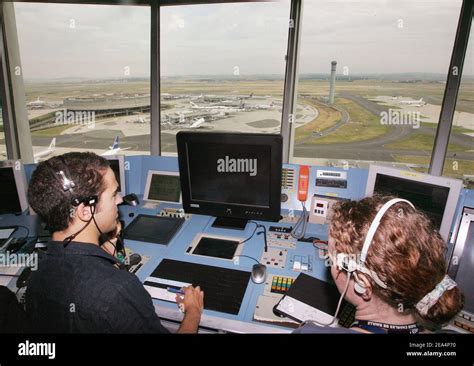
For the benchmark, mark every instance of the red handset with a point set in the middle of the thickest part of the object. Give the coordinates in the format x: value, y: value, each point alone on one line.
x: 303, y: 182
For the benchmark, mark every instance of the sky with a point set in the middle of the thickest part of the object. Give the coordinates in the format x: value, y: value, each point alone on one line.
x: 363, y: 36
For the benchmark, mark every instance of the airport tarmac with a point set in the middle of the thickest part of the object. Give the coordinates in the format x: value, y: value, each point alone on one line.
x: 429, y: 112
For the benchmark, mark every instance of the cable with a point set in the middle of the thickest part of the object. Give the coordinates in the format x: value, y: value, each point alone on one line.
x: 70, y: 238
x: 334, y: 318
x: 300, y: 227
x: 27, y: 231
x: 105, y: 236
x: 251, y: 236
x: 259, y: 226
x: 246, y: 256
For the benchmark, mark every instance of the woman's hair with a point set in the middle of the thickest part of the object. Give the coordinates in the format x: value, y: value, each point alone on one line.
x: 407, y: 253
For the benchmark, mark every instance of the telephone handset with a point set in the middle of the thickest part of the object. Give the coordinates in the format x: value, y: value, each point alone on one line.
x: 299, y: 230
x: 303, y: 183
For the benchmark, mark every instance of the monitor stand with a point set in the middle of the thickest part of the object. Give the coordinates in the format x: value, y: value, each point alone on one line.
x: 230, y: 223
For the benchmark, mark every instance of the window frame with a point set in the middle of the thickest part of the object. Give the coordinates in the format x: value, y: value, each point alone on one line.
x: 438, y: 155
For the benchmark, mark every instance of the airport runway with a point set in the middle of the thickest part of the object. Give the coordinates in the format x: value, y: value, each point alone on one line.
x: 134, y: 138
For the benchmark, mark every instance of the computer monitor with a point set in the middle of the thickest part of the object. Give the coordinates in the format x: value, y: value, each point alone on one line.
x: 117, y: 164
x: 162, y: 186
x: 435, y: 196
x: 234, y: 176
x: 13, y: 188
x: 461, y: 263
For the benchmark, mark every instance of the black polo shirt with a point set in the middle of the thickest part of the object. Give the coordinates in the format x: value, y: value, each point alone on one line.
x: 78, y: 289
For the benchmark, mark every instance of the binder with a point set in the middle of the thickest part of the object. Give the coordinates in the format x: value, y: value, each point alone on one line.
x: 310, y: 299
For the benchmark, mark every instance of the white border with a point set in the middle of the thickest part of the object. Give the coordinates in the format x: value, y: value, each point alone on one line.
x: 121, y: 160
x: 197, y: 239
x: 148, y: 183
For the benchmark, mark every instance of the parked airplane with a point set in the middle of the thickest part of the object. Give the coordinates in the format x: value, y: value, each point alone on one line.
x: 115, y: 148
x: 37, y: 104
x: 47, y: 152
x: 413, y: 103
x: 241, y: 107
x: 265, y: 106
x: 197, y: 122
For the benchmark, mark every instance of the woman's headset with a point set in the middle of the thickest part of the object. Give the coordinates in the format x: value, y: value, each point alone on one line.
x: 349, y: 263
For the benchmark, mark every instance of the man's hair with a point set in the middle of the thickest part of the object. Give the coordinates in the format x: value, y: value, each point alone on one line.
x: 45, y: 192
x: 407, y: 253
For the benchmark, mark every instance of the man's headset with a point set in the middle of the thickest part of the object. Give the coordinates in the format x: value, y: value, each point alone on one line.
x: 64, y: 178
x: 348, y: 263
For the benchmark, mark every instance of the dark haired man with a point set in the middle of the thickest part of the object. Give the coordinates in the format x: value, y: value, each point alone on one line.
x: 78, y: 286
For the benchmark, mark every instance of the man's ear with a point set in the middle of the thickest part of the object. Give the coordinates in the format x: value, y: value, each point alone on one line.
x: 83, y: 212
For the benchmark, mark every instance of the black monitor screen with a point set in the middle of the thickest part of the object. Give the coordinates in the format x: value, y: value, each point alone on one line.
x: 8, y: 192
x: 219, y: 248
x: 115, y: 166
x: 430, y: 199
x: 164, y: 188
x: 237, y: 174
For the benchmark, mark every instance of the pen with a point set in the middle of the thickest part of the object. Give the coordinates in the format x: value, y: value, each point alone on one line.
x: 175, y: 290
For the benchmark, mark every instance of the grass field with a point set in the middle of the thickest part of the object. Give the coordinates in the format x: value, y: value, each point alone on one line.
x: 51, y: 132
x: 327, y: 117
x: 417, y: 141
x: 362, y: 126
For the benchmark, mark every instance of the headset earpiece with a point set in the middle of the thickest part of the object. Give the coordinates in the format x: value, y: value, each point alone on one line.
x: 359, y: 285
x: 90, y: 201
x: 359, y: 288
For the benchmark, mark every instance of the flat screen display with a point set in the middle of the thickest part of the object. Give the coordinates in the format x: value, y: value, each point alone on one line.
x: 10, y: 201
x: 430, y: 199
x: 164, y: 188
x: 239, y: 174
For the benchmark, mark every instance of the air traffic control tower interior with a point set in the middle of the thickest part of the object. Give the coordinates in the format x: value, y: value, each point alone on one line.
x: 232, y: 188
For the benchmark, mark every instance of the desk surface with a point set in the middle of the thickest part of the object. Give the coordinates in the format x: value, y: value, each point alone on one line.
x: 176, y: 249
x: 243, y: 321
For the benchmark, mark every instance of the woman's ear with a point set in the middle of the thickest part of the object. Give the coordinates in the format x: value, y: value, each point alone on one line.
x: 367, y: 295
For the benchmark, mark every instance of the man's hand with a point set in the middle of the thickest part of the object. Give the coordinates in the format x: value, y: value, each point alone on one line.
x: 193, y: 304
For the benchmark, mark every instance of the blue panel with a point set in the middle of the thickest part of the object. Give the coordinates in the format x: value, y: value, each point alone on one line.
x: 136, y: 171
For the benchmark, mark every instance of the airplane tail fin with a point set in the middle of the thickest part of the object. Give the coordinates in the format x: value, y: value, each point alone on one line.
x: 116, y: 143
x: 52, y: 146
x: 193, y: 104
